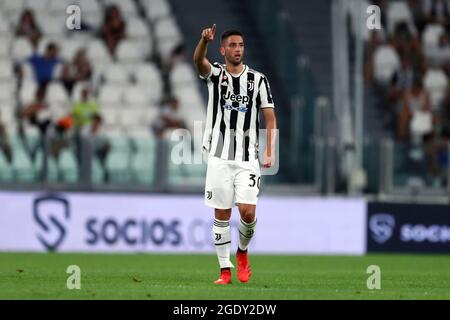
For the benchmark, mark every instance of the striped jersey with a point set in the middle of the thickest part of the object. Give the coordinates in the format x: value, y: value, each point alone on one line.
x: 232, y: 117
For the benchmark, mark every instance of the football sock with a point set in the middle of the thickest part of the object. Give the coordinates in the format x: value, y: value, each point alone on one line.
x: 246, y: 231
x: 222, y: 241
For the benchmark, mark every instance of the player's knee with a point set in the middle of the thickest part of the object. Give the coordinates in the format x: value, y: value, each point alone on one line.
x: 247, y: 213
x: 222, y: 214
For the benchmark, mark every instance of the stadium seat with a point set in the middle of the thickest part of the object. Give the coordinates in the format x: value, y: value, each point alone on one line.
x: 37, y: 6
x: 431, y: 34
x: 110, y: 117
x: 166, y: 46
x: 21, y: 49
x: 116, y: 73
x: 130, y: 51
x: 131, y: 117
x: 181, y: 75
x: 6, y: 70
x: 12, y: 7
x: 156, y: 9
x: 167, y: 28
x: 386, y: 62
x: 5, y: 48
x: 110, y: 94
x: 397, y: 12
x: 126, y: 7
x: 6, y: 93
x: 97, y: 52
x: 27, y: 92
x: 92, y: 20
x: 137, y: 28
x: 436, y: 83
x: 137, y: 95
x: 59, y: 6
x: 150, y: 115
x: 146, y: 73
x: 53, y: 26
x: 4, y: 27
x: 56, y: 93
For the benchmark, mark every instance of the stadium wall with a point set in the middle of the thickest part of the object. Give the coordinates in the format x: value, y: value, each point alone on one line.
x: 106, y: 222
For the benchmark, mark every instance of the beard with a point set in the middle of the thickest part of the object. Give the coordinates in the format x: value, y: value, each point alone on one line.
x: 235, y: 61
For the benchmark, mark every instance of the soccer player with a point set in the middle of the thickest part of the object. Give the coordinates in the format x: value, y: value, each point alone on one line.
x: 236, y: 95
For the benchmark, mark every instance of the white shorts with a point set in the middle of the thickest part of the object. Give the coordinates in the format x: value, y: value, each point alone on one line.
x: 229, y: 182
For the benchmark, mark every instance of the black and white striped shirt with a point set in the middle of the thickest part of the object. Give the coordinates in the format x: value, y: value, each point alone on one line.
x: 232, y: 118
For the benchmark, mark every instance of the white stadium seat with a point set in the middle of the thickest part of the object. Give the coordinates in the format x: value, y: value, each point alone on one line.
x: 10, y: 7
x: 436, y: 83
x: 6, y: 92
x: 27, y: 92
x: 147, y: 73
x: 130, y: 51
x: 116, y: 73
x: 97, y: 52
x: 110, y: 94
x: 70, y: 46
x: 37, y: 6
x: 21, y: 48
x: 431, y: 34
x: 167, y: 28
x: 6, y: 70
x: 126, y: 7
x: 137, y: 28
x: 56, y: 93
x: 182, y: 74
x: 397, y: 12
x: 386, y: 62
x: 137, y: 95
x: 156, y: 9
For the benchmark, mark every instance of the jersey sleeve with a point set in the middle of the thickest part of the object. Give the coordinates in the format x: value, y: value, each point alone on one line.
x: 215, y: 71
x: 265, y: 94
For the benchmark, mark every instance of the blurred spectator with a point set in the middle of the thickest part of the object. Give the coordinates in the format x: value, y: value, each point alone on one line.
x: 415, y: 115
x: 37, y: 112
x: 4, y: 143
x: 177, y: 55
x: 79, y: 69
x: 27, y: 27
x: 417, y: 10
x: 169, y: 118
x: 87, y: 121
x: 401, y: 82
x: 113, y: 29
x: 44, y: 65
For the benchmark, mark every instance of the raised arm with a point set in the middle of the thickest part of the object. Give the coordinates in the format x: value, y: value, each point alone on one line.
x: 200, y: 60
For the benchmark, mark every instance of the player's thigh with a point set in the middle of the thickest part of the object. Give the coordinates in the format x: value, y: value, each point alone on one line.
x: 247, y: 183
x: 219, y: 190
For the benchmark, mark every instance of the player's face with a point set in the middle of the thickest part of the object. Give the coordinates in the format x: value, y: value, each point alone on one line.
x: 233, y: 49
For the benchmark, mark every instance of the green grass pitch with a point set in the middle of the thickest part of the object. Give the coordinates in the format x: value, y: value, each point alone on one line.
x: 164, y: 276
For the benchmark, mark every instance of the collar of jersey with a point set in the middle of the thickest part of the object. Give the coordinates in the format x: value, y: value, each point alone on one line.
x: 236, y: 76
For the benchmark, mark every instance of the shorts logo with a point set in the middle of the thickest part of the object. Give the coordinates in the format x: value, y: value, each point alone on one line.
x: 209, y: 195
x: 218, y: 236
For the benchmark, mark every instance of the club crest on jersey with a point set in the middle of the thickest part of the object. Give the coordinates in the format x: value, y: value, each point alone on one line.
x: 250, y: 85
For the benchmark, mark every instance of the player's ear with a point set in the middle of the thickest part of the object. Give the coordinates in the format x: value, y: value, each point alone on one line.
x: 222, y: 51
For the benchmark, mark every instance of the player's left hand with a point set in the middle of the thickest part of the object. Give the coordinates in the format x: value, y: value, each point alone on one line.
x: 268, y: 161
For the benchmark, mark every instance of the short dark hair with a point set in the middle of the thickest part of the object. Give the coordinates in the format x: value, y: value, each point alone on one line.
x: 230, y: 33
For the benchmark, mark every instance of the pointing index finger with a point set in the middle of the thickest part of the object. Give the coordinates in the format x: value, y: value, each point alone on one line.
x: 213, y: 29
